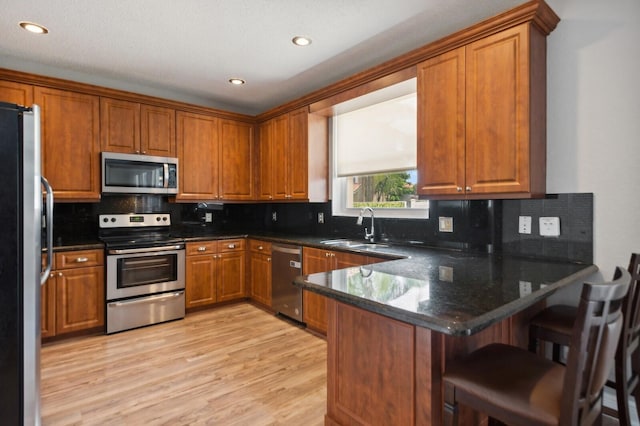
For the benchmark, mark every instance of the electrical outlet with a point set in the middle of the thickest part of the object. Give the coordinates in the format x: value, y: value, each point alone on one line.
x: 524, y: 224
x: 208, y: 217
x: 445, y: 224
x: 320, y: 217
x: 274, y: 216
x: 550, y: 226
x: 525, y: 288
x: 445, y: 273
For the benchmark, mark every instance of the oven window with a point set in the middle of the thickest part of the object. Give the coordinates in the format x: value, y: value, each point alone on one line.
x: 144, y: 270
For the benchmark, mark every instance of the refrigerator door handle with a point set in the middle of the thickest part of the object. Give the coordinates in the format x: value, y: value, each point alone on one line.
x: 49, y: 229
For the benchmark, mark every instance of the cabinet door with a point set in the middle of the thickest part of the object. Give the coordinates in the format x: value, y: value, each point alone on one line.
x: 16, y: 93
x: 260, y: 283
x: 231, y: 274
x: 441, y: 124
x: 497, y: 131
x: 200, y: 287
x: 119, y: 126
x: 280, y: 162
x: 70, y: 143
x: 48, y: 307
x: 314, y: 306
x: 298, y: 173
x: 79, y: 299
x: 265, y: 163
x: 157, y: 131
x: 198, y: 152
x: 236, y: 167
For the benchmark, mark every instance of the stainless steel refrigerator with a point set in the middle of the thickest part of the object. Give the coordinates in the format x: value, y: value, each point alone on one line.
x: 21, y: 227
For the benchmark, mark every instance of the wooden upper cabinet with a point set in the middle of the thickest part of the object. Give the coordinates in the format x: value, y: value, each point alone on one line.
x: 198, y: 145
x: 499, y: 146
x: 236, y: 165
x: 135, y: 128
x: 119, y: 126
x: 157, y: 131
x: 293, y: 157
x: 264, y: 153
x: 70, y: 145
x: 16, y: 93
x: 481, y: 124
x: 441, y: 124
x: 279, y: 158
x: 297, y: 155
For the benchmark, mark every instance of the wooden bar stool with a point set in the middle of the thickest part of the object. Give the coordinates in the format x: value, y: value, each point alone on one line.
x: 518, y: 387
x: 555, y: 323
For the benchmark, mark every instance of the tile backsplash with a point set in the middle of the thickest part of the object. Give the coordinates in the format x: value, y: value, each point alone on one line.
x: 478, y: 225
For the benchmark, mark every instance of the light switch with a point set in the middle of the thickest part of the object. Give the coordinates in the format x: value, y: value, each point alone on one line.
x: 550, y: 226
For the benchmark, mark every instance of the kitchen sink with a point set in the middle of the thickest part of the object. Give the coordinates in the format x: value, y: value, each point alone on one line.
x: 353, y: 244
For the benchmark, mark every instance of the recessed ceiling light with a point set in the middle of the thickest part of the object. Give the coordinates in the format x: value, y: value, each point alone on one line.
x: 301, y: 41
x: 34, y: 28
x: 237, y: 81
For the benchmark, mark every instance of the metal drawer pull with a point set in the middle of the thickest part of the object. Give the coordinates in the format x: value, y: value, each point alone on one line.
x: 202, y: 249
x: 231, y: 246
x: 159, y: 298
x: 82, y: 259
x: 260, y: 247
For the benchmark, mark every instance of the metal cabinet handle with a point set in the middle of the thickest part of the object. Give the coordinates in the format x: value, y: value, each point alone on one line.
x: 468, y: 189
x: 59, y: 274
x: 459, y: 189
x: 260, y: 247
x: 268, y: 259
x: 202, y: 249
x: 231, y: 246
x: 82, y: 259
x: 327, y: 254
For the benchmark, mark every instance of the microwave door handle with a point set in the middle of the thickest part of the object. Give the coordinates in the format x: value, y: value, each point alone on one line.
x: 166, y: 175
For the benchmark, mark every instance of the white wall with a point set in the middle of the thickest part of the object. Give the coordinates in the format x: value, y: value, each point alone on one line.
x: 593, y: 118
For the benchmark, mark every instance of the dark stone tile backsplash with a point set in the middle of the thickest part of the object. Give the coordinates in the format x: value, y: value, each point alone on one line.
x: 479, y: 225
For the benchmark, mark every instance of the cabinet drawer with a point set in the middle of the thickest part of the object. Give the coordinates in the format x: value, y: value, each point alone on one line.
x: 202, y: 247
x: 260, y: 246
x: 79, y: 259
x: 230, y: 245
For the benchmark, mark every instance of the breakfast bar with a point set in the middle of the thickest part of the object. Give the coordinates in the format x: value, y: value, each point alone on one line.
x: 393, y: 326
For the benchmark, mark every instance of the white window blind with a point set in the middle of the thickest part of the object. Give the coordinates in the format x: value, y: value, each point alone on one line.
x: 380, y: 138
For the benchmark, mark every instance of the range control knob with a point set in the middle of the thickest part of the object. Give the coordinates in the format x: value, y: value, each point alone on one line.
x: 164, y: 218
x: 105, y: 220
x: 158, y: 219
x: 113, y: 219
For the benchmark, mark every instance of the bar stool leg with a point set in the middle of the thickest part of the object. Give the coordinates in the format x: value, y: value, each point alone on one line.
x: 622, y: 392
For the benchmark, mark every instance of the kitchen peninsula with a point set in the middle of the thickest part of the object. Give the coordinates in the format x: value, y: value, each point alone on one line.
x: 393, y: 326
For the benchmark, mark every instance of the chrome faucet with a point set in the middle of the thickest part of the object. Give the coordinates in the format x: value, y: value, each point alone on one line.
x: 368, y: 236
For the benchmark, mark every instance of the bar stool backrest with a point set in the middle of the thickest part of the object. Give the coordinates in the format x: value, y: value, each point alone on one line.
x: 594, y: 341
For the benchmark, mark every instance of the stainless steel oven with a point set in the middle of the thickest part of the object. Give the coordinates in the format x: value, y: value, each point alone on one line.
x: 145, y: 270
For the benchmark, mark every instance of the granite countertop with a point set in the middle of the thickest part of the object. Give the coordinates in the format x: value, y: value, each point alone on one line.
x: 450, y: 292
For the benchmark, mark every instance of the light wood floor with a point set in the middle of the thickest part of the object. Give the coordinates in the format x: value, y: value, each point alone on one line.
x: 234, y: 365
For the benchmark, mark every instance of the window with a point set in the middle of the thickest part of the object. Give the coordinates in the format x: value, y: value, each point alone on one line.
x: 374, y: 154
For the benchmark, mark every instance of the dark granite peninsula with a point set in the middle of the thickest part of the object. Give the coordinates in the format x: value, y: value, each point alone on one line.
x: 393, y: 326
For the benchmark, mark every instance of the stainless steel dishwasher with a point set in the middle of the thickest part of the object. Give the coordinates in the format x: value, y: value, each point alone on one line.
x: 286, y: 264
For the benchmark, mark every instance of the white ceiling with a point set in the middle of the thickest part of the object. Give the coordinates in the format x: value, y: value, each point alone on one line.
x: 186, y: 50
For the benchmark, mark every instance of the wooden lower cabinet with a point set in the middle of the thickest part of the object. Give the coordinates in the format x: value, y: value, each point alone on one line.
x: 73, y: 297
x: 314, y: 306
x: 260, y: 272
x: 215, y: 272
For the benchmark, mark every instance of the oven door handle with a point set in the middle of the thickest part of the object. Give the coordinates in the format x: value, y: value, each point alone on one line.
x: 149, y: 299
x: 146, y: 250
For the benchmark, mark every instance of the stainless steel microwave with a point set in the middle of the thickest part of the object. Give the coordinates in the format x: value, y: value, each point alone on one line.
x: 139, y: 174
